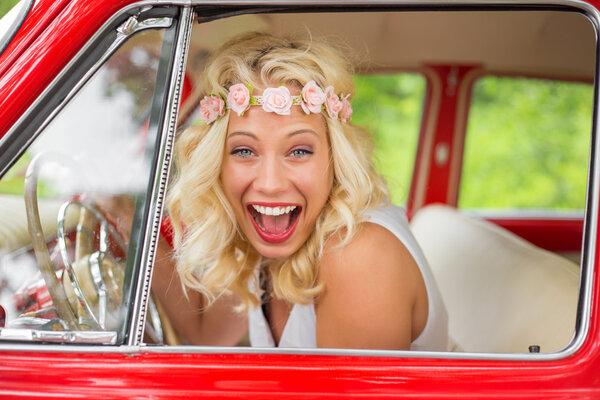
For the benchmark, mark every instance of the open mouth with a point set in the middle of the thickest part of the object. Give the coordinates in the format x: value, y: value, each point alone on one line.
x: 274, y: 223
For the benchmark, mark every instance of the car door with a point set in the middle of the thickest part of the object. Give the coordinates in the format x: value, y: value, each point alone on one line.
x: 98, y: 129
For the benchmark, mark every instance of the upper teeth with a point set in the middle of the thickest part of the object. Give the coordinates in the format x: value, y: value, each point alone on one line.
x: 273, y: 210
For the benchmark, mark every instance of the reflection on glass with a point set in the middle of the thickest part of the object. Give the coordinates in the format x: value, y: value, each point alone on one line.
x: 65, y: 205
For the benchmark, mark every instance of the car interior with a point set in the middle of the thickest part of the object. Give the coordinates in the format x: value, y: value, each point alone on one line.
x: 504, y: 292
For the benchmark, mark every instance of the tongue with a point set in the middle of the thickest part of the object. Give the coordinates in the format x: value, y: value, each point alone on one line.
x: 275, y: 225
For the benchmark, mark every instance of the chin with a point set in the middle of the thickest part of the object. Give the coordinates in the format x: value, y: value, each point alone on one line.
x: 275, y: 252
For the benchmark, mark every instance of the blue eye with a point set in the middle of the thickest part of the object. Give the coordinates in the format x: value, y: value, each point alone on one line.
x: 301, y: 152
x: 243, y: 152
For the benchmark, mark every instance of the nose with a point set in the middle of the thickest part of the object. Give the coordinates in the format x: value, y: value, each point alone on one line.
x: 271, y: 177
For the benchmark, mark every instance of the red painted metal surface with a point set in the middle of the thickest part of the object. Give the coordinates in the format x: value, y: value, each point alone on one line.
x: 40, y: 16
x: 152, y: 375
x: 411, y: 202
x: 38, y: 54
x: 41, y: 53
x: 438, y: 187
x: 551, y: 234
x: 438, y: 161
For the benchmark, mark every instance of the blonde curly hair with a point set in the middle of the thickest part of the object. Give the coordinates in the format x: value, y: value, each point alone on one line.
x: 212, y: 254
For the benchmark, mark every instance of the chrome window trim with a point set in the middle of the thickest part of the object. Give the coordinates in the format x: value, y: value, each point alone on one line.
x: 590, y: 218
x: 161, y: 175
x: 16, y: 24
x: 591, y: 214
x: 45, y: 336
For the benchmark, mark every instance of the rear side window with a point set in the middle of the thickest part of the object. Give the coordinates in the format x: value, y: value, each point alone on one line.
x: 527, y: 145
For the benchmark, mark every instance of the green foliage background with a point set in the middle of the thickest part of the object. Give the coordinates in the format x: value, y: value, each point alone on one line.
x: 390, y: 107
x: 6, y: 5
x: 527, y: 144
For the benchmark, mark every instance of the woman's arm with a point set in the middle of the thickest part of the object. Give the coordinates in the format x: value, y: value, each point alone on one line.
x: 217, y: 325
x: 374, y: 295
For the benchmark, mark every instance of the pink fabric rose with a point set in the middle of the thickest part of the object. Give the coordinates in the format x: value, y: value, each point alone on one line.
x: 333, y: 105
x: 313, y: 98
x: 277, y: 100
x: 211, y: 108
x: 238, y: 98
x: 346, y: 111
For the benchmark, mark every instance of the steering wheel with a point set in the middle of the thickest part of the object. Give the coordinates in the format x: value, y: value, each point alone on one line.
x: 89, y: 292
x: 94, y: 281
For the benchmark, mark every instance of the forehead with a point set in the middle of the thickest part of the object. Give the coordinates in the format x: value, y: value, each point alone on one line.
x: 259, y: 122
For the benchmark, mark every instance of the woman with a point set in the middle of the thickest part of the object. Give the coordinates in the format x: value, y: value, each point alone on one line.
x: 280, y: 219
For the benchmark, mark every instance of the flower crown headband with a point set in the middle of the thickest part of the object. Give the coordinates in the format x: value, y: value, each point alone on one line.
x: 278, y: 100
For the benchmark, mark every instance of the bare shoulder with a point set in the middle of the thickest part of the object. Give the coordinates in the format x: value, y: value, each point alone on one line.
x: 373, y: 252
x: 374, y: 295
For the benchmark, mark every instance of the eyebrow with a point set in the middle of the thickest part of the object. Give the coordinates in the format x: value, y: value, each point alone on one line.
x: 305, y: 130
x: 244, y: 133
x: 252, y: 135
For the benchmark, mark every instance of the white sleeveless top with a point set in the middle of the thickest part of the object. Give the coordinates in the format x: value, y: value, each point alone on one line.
x: 300, y: 329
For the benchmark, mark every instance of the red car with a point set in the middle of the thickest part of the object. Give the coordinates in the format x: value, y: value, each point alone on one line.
x: 484, y: 117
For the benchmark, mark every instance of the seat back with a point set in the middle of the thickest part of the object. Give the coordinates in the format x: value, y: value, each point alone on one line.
x: 14, y: 233
x: 502, y: 293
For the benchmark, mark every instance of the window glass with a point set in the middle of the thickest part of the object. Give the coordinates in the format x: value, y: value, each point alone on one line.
x: 63, y: 252
x: 388, y: 102
x: 527, y: 145
x: 390, y: 106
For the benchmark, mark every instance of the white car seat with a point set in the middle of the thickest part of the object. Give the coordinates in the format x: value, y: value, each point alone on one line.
x: 14, y: 233
x: 502, y: 293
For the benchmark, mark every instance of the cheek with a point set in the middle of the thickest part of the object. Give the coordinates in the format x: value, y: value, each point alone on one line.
x: 234, y: 182
x: 316, y: 184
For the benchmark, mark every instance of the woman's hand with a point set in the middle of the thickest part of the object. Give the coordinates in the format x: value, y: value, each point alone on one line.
x: 217, y: 325
x: 119, y: 211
